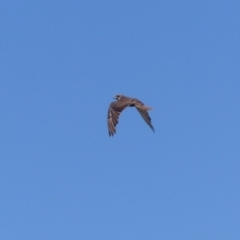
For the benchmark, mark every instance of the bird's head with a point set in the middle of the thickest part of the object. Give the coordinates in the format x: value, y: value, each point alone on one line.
x: 117, y: 97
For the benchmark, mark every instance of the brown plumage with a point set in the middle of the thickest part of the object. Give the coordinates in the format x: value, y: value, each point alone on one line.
x: 118, y: 106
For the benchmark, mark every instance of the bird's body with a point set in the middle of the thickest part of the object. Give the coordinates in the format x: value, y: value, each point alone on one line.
x: 118, y: 106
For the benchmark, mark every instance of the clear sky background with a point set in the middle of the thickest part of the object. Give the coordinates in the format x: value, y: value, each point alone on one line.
x: 62, y: 177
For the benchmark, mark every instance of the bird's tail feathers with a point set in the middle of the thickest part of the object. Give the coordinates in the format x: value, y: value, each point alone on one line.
x: 144, y: 107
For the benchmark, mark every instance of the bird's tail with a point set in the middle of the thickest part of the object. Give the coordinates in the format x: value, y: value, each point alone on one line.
x: 144, y: 107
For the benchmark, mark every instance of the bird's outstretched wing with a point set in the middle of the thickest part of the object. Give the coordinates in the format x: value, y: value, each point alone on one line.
x: 146, y: 117
x: 114, y: 111
x: 142, y: 109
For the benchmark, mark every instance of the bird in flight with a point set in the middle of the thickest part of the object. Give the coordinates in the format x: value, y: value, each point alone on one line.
x: 118, y: 106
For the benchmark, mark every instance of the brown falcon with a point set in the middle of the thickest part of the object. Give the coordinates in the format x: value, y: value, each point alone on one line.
x: 118, y: 106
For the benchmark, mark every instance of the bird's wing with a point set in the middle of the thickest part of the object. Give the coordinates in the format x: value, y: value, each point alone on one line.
x: 142, y: 109
x: 114, y: 111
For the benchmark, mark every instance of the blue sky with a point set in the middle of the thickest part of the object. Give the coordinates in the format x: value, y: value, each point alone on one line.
x: 62, y: 176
